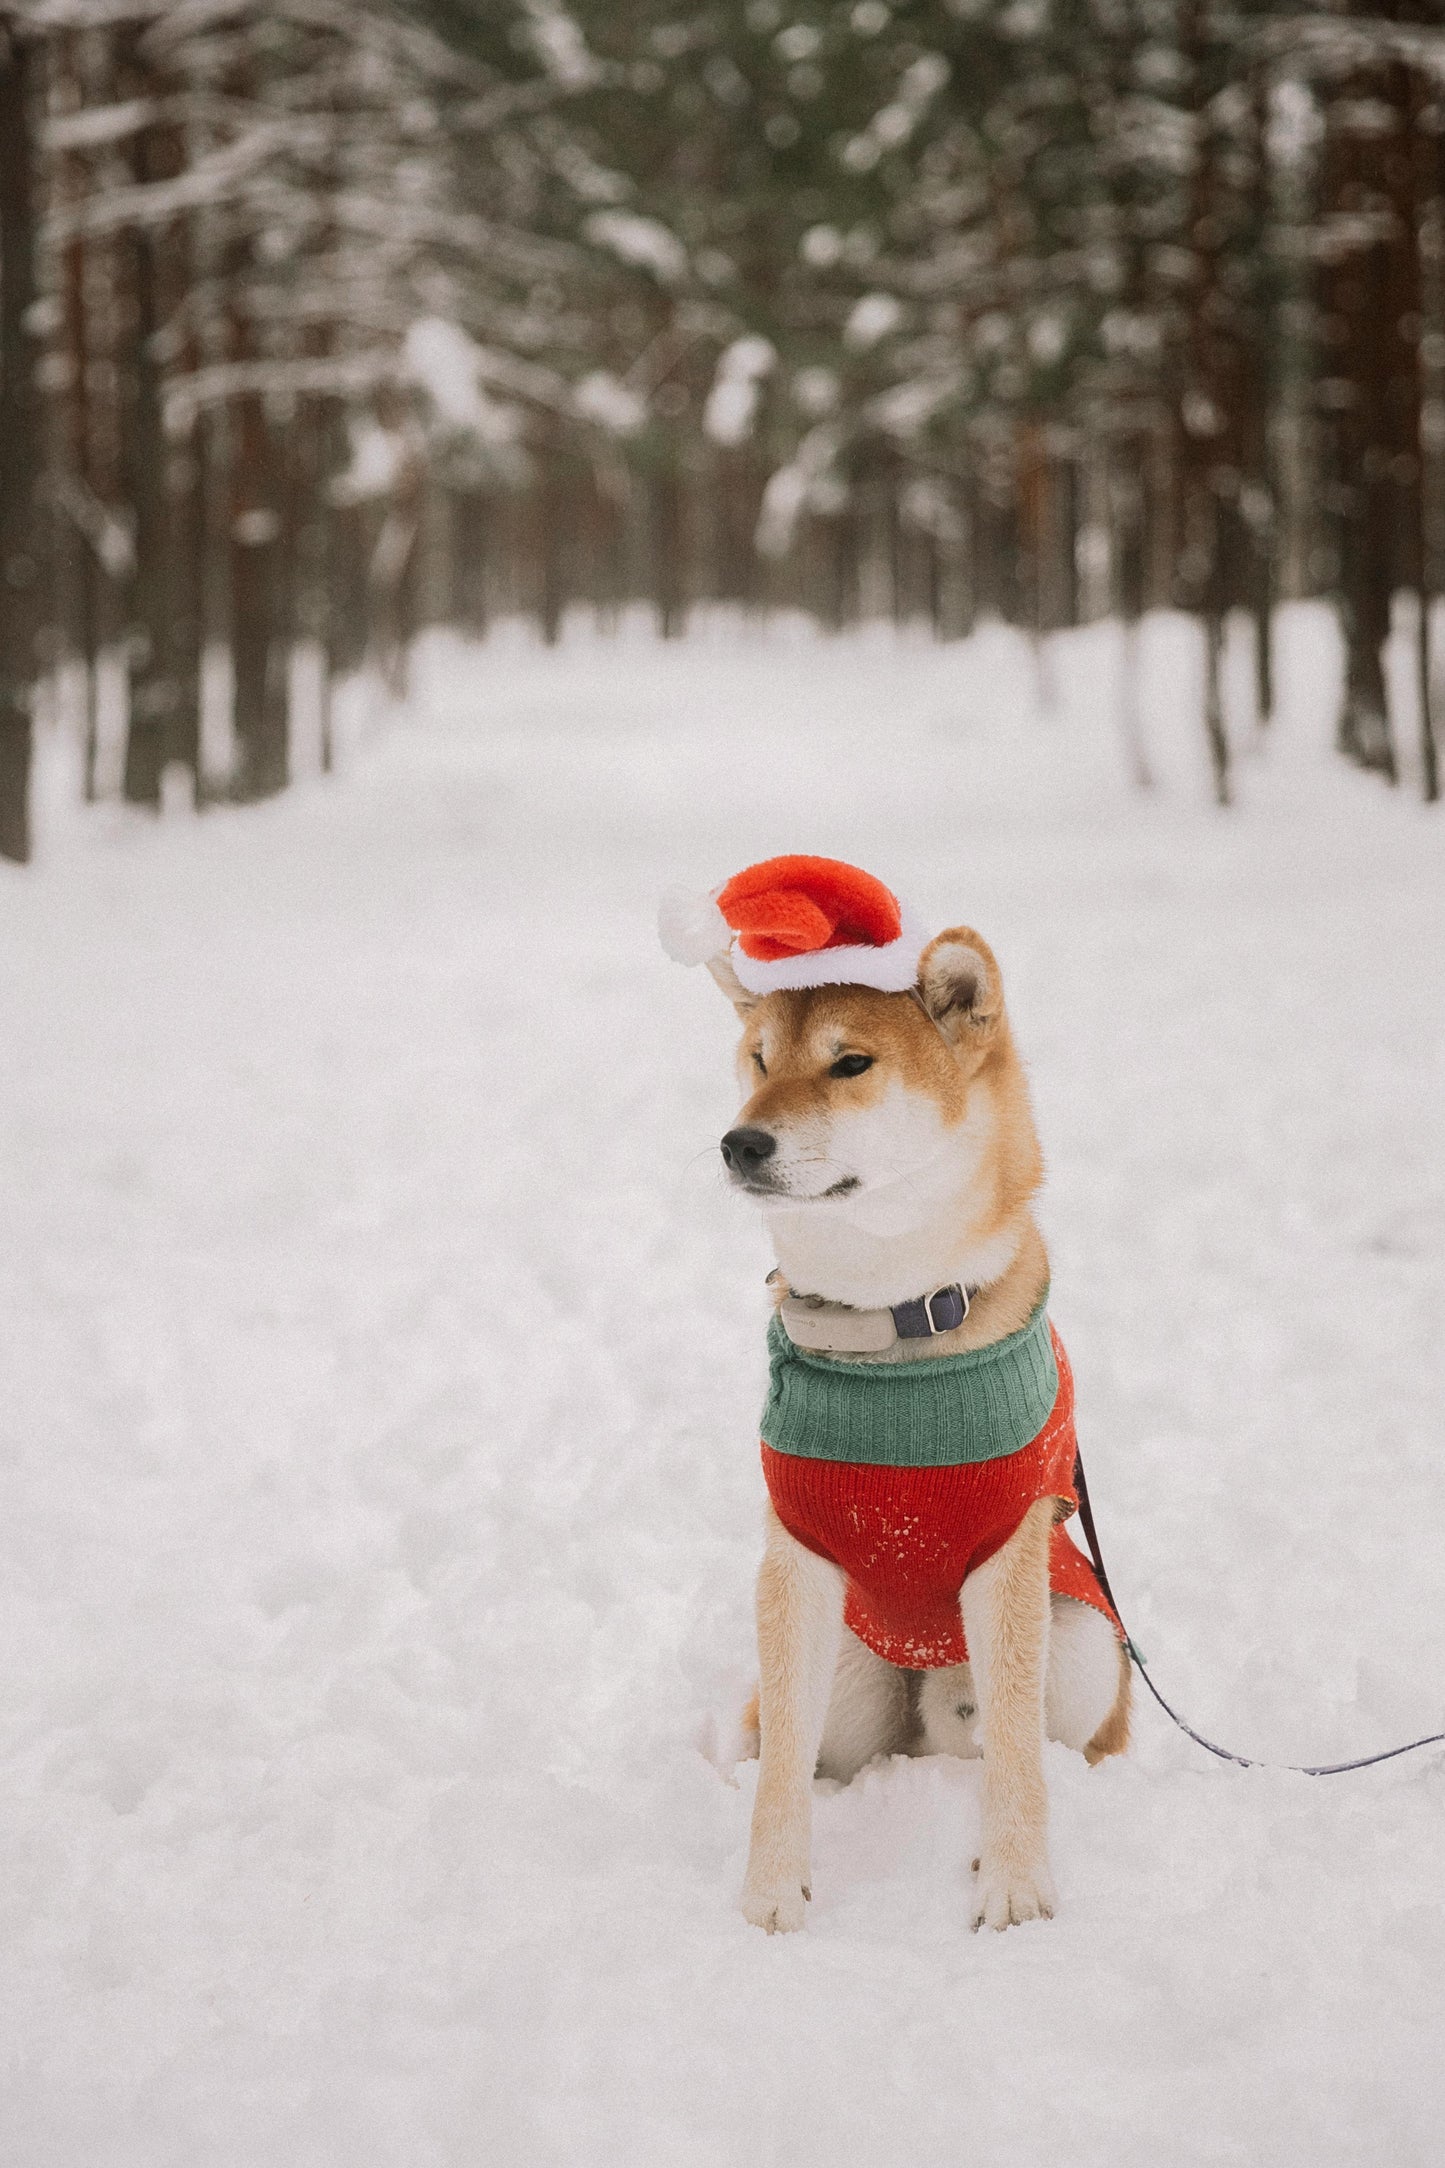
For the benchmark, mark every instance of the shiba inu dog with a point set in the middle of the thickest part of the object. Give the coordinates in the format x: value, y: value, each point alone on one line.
x: 917, y: 1590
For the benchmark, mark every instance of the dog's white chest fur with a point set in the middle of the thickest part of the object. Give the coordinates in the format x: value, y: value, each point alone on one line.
x: 906, y: 1227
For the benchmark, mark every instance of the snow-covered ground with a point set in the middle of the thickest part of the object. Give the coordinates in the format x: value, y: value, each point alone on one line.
x: 378, y: 1453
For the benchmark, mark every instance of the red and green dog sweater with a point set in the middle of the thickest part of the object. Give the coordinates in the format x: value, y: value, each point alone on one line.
x: 909, y: 1475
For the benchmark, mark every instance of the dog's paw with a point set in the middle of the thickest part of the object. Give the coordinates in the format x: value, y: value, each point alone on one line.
x: 779, y: 1908
x: 1007, y: 1893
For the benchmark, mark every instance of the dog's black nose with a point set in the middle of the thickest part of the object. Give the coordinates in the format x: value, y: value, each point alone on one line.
x: 745, y: 1150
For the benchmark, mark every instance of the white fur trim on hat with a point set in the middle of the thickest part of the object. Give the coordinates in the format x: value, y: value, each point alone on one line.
x: 691, y: 927
x: 891, y: 968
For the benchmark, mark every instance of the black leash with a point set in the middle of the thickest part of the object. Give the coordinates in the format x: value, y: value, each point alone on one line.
x: 1241, y: 1761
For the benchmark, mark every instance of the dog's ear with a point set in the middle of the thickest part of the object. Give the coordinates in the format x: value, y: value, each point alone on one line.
x: 723, y: 973
x: 960, y: 986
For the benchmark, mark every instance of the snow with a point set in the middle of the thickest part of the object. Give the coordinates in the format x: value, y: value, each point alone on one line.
x: 815, y: 390
x: 805, y: 479
x: 637, y: 240
x: 383, y: 1361
x: 821, y: 246
x: 561, y: 45
x: 871, y: 318
x: 377, y: 456
x: 733, y: 398
x: 445, y: 362
x: 603, y: 398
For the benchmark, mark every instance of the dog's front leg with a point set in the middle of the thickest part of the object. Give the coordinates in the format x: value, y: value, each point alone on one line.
x: 1006, y: 1622
x: 800, y: 1624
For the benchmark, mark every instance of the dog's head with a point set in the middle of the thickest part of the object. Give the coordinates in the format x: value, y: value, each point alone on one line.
x: 855, y: 1094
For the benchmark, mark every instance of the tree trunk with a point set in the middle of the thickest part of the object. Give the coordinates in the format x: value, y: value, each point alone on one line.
x: 1259, y: 498
x: 669, y: 590
x: 73, y: 582
x: 154, y: 695
x: 312, y: 432
x: 1262, y: 619
x: 187, y: 481
x: 844, y: 569
x: 255, y: 579
x: 1363, y: 732
x: 1429, y: 165
x: 1429, y: 757
x: 20, y: 536
x: 391, y: 574
x: 1370, y: 297
x: 1212, y: 407
x: 550, y: 515
x: 468, y: 610
x: 1126, y: 561
x: 1214, y: 703
x: 346, y: 590
x: 157, y: 282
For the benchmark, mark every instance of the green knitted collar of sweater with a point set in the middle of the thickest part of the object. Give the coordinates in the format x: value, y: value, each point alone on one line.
x: 934, y: 1413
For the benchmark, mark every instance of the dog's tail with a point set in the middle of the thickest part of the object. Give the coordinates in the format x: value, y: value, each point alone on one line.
x: 1112, y: 1736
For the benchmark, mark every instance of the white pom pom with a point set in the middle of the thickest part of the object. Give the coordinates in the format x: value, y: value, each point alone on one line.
x: 691, y: 927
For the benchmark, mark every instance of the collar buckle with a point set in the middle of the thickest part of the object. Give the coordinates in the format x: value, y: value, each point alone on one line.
x: 926, y: 1316
x: 947, y: 1308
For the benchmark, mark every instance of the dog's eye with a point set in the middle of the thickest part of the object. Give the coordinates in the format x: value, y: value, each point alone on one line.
x: 851, y: 1065
x: 761, y: 1064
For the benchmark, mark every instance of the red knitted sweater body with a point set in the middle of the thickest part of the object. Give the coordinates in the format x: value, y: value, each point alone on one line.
x: 907, y: 1538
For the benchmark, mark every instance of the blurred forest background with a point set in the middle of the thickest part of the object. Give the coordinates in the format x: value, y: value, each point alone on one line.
x: 324, y: 323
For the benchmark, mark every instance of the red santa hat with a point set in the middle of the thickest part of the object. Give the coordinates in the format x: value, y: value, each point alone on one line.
x: 795, y: 922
